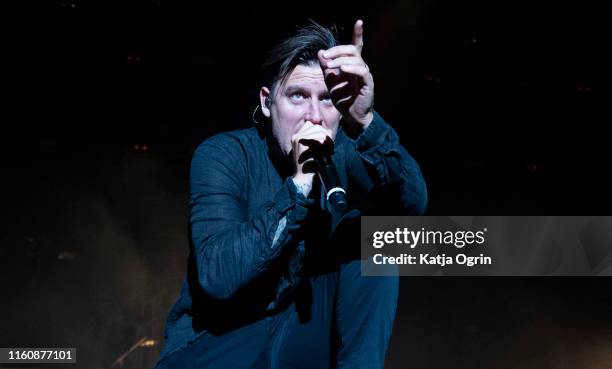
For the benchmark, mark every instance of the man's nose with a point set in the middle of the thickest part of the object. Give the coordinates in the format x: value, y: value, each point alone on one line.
x: 314, y: 112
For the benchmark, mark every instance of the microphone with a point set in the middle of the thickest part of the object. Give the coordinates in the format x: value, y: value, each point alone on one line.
x: 336, y: 195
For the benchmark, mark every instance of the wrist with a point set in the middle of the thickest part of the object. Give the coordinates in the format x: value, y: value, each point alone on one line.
x: 303, y: 183
x: 366, y: 121
x: 357, y: 126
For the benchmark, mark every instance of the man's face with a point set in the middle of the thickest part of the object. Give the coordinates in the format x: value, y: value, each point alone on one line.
x: 303, y: 97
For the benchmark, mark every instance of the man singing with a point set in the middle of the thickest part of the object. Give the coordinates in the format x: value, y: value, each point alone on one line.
x: 273, y: 277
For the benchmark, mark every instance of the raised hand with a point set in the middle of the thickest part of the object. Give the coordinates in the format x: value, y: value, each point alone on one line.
x: 349, y: 80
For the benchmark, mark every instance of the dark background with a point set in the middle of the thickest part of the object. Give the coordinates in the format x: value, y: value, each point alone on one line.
x: 501, y: 103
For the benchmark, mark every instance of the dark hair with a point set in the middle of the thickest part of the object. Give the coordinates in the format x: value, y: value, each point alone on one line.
x: 299, y: 49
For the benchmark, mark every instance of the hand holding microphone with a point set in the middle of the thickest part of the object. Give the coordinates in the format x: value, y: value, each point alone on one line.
x: 312, y: 151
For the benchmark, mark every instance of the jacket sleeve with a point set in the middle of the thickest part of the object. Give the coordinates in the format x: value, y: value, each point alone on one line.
x: 231, y: 248
x: 390, y: 175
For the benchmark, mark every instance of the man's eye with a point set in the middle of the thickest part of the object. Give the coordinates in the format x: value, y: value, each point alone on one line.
x: 296, y: 96
x: 326, y: 99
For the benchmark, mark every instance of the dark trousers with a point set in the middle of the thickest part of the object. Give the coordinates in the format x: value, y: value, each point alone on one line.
x: 349, y: 325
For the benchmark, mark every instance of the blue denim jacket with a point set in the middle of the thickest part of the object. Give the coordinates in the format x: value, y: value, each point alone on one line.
x: 250, y: 227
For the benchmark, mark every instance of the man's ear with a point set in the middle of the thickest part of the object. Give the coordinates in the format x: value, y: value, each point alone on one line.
x: 265, y: 101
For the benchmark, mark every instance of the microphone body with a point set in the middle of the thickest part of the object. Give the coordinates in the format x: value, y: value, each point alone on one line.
x: 335, y: 194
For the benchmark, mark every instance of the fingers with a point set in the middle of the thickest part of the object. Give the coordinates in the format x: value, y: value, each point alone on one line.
x: 310, y: 128
x: 354, y: 49
x: 343, y: 59
x: 358, y: 35
x: 342, y: 50
x: 338, y: 86
x: 313, y: 138
x: 312, y: 146
x: 357, y: 70
x: 350, y: 65
x: 337, y: 62
x: 344, y: 85
x: 310, y: 139
x: 342, y: 94
x: 315, y: 143
x: 312, y: 132
x: 333, y: 59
